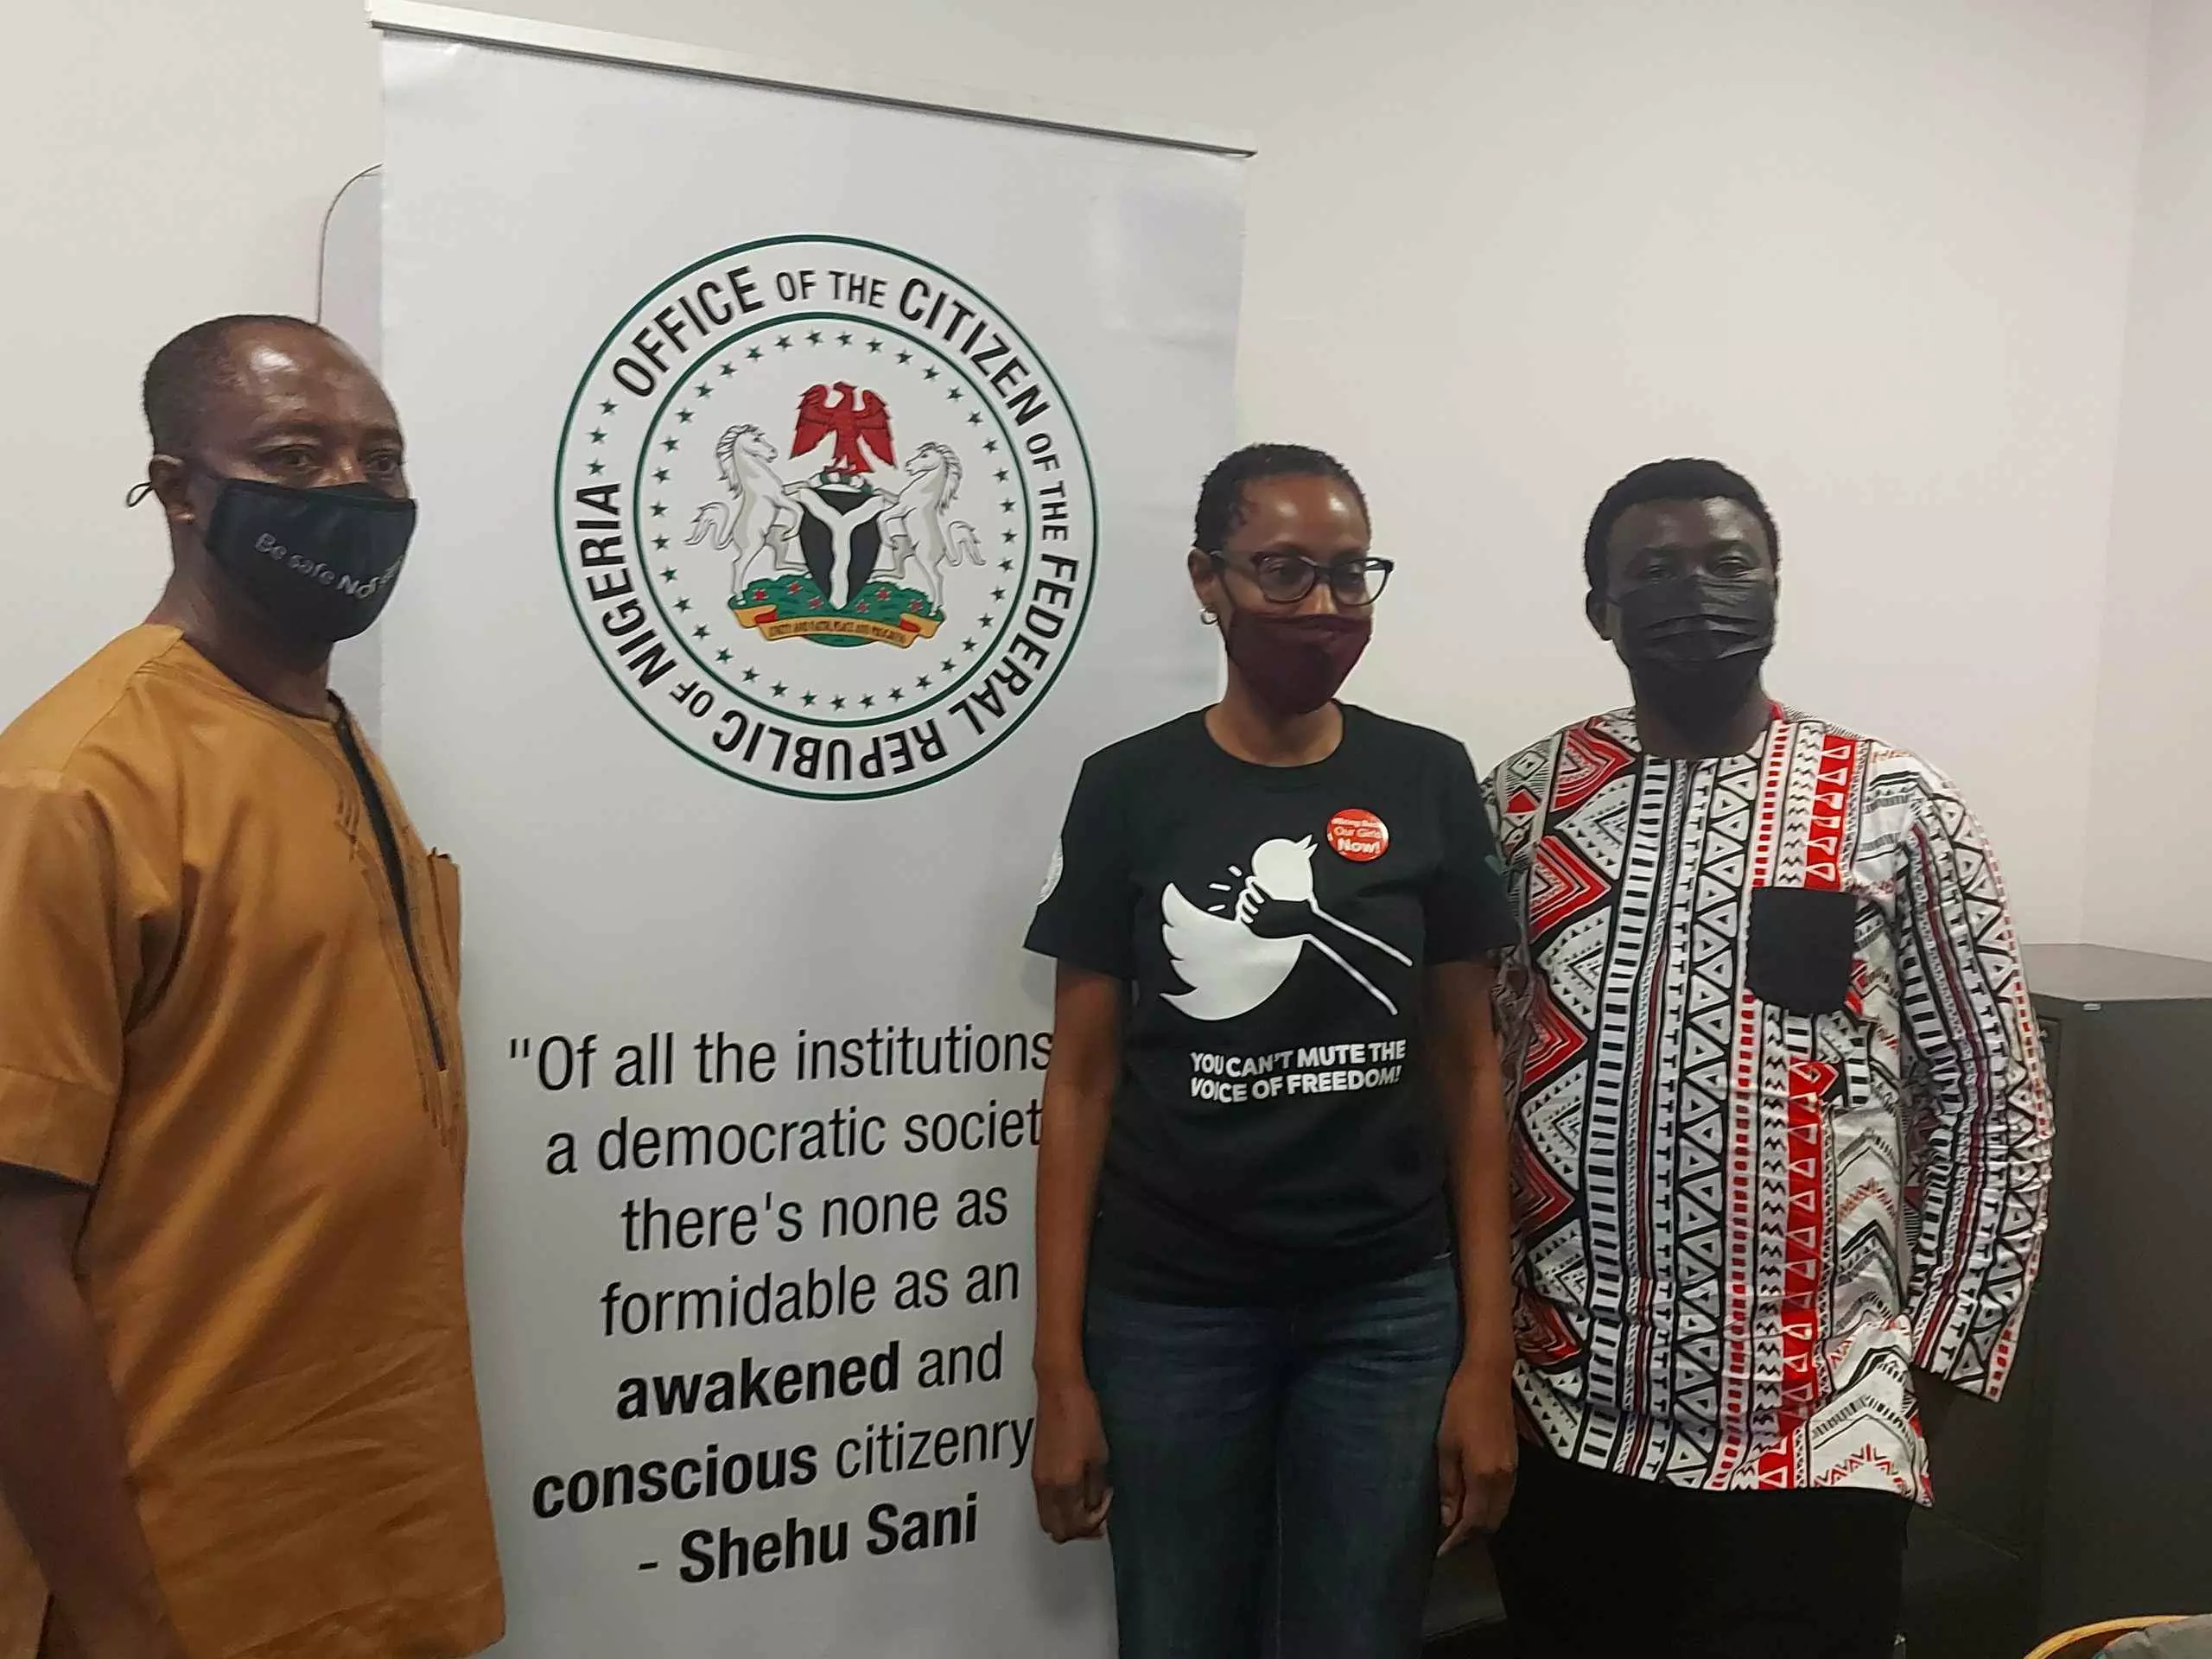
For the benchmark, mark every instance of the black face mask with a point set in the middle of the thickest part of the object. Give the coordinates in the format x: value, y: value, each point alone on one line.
x: 1695, y: 644
x: 320, y: 562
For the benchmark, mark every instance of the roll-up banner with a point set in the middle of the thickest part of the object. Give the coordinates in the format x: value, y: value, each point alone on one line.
x: 805, y: 475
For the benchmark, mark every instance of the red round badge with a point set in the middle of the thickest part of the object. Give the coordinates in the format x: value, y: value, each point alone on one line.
x: 1358, y: 836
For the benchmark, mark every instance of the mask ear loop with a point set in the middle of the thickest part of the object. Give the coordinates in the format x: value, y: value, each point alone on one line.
x: 144, y: 487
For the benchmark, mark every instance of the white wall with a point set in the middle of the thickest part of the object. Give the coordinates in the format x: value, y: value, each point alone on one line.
x: 2150, y: 885
x: 1873, y: 252
x: 165, y: 162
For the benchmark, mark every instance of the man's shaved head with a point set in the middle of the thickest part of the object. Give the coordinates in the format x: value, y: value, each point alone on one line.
x: 271, y: 400
x: 194, y: 367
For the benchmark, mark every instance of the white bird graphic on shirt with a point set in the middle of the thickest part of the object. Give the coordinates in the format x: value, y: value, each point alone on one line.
x: 1231, y: 968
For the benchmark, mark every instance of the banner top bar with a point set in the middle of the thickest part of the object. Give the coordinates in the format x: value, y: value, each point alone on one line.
x: 564, y: 40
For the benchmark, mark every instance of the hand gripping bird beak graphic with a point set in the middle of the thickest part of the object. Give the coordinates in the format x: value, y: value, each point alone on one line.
x: 1235, y: 963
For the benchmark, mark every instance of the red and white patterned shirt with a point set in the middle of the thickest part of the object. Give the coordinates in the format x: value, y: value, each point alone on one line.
x: 1771, y: 1150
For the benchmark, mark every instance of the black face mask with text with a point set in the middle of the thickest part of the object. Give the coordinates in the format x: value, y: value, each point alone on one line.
x: 1695, y: 644
x: 320, y: 562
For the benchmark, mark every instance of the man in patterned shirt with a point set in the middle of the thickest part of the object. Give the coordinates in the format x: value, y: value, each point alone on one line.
x: 1781, y: 1127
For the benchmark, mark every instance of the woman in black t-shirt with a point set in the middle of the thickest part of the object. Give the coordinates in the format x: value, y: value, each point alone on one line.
x: 1273, y: 1322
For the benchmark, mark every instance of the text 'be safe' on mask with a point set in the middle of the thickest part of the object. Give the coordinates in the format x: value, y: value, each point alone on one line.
x: 321, y: 562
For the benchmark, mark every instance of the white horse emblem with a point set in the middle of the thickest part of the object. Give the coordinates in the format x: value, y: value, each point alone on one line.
x: 764, y: 520
x: 915, y: 529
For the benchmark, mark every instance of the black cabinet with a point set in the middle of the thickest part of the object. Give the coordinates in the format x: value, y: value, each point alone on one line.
x: 2125, y: 1306
x: 2087, y: 1493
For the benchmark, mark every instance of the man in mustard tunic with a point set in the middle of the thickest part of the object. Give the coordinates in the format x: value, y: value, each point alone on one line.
x: 236, y: 1412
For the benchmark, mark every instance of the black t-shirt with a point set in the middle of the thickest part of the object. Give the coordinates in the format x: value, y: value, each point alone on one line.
x: 1274, y: 1133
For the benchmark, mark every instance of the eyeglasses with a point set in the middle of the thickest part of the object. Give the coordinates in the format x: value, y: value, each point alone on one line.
x: 1285, y: 578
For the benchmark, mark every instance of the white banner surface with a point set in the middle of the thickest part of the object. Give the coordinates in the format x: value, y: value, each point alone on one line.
x: 804, y: 483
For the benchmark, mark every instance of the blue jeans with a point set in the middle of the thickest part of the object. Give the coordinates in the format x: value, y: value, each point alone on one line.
x: 1274, y: 1468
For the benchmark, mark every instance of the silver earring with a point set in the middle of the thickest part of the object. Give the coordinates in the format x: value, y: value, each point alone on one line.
x: 1206, y: 615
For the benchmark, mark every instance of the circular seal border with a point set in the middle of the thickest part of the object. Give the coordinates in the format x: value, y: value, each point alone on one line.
x: 1082, y: 615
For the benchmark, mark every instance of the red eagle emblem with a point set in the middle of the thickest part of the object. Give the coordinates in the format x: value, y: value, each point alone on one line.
x: 860, y: 422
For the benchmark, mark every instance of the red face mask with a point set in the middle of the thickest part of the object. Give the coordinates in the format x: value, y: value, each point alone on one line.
x: 1295, y: 662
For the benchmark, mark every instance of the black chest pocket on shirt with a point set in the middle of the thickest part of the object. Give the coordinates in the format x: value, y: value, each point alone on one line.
x: 1801, y: 948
